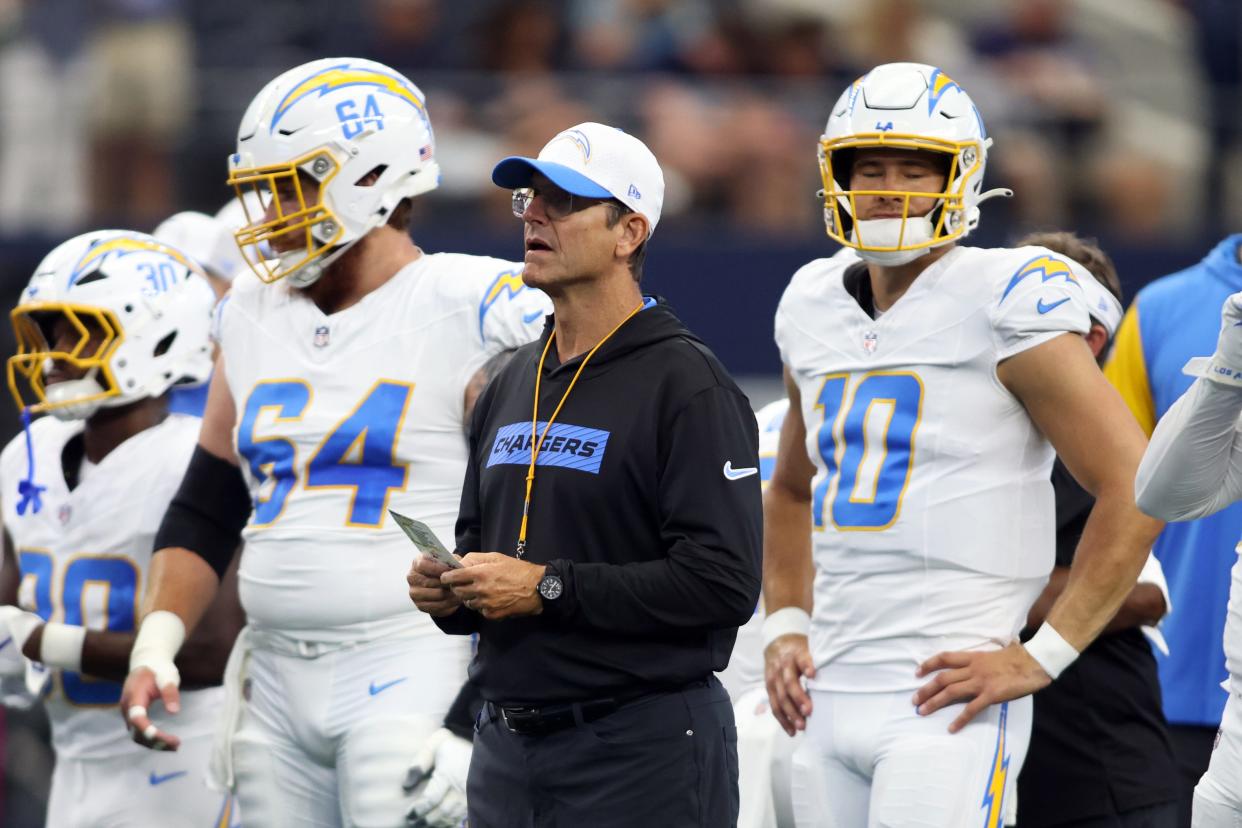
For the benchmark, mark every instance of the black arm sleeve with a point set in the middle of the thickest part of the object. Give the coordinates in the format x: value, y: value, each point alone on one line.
x: 462, y: 713
x: 208, y: 512
x: 712, y: 526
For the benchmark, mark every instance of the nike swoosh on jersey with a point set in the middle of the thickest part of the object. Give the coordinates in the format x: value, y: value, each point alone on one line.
x: 532, y: 316
x: 1042, y: 308
x: 376, y: 689
x: 156, y: 779
x: 737, y: 474
x: 6, y: 642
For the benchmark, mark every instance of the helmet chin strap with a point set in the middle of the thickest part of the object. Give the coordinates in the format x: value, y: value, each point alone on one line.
x: 892, y: 258
x: 888, y: 232
x: 311, y: 272
x: 63, y: 394
x: 307, y: 275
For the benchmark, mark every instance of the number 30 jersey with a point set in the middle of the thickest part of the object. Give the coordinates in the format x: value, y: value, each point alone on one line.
x: 84, y: 559
x: 931, y: 503
x: 342, y: 417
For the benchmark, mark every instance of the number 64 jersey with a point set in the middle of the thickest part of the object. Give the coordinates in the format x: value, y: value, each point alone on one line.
x: 341, y: 417
x: 931, y: 503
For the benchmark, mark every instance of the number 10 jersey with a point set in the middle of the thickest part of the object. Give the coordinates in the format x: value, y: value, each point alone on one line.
x: 932, y: 510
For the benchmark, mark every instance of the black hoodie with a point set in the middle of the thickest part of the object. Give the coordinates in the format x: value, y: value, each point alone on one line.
x: 646, y: 502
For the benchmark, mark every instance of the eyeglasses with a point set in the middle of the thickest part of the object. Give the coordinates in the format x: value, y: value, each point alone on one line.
x: 557, y: 203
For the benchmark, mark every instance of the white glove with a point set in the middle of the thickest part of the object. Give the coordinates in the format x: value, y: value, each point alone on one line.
x: 16, y: 625
x: 438, y: 781
x: 1225, y: 365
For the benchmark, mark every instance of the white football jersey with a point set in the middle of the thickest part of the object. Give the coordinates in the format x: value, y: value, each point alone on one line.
x: 931, y: 503
x: 342, y: 417
x: 84, y: 559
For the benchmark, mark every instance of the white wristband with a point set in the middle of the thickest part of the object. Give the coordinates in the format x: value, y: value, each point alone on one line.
x: 1052, y: 651
x: 784, y: 621
x: 61, y: 645
x: 160, y: 637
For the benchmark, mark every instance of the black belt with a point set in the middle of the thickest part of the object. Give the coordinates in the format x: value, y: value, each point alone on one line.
x: 540, y: 721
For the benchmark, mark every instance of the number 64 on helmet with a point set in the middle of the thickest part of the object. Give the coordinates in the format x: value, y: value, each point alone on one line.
x: 331, y: 148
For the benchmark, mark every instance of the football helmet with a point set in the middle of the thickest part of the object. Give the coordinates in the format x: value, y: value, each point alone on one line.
x: 331, y: 147
x: 206, y: 239
x: 904, y: 106
x: 138, y: 312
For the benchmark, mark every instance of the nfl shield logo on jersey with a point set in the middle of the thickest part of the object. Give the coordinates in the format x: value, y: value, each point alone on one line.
x: 321, y: 336
x: 870, y: 338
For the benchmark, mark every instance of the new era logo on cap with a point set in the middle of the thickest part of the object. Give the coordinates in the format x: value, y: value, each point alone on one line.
x: 634, y: 193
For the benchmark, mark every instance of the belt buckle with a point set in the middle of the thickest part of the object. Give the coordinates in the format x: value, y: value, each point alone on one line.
x: 520, y: 719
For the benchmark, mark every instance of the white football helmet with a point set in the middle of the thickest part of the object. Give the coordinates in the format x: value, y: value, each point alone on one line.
x: 140, y: 311
x: 206, y: 239
x: 356, y: 129
x: 905, y: 106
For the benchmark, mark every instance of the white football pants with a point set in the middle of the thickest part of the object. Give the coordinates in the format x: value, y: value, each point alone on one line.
x: 868, y: 759
x: 1218, y: 796
x: 139, y: 789
x: 325, y: 737
x: 764, y: 763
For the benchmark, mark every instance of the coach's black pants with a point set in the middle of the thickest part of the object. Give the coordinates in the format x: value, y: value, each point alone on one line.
x: 661, y: 761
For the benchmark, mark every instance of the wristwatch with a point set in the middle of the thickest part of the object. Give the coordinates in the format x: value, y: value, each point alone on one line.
x: 550, y: 586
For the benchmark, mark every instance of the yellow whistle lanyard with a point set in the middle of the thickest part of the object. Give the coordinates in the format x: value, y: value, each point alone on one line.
x: 537, y: 445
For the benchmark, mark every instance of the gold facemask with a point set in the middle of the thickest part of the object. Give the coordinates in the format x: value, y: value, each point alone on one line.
x: 271, y: 245
x: 951, y: 220
x: 91, y: 354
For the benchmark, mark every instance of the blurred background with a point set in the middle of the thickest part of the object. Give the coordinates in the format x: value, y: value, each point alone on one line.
x: 1115, y: 120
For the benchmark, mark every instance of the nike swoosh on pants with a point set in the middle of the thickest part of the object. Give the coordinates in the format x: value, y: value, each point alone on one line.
x: 157, y: 779
x: 376, y: 689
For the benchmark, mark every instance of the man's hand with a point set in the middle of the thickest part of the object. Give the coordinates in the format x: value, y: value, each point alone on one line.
x: 980, y: 679
x: 139, y: 693
x: 426, y: 591
x: 496, y: 586
x: 785, y: 662
x: 438, y: 781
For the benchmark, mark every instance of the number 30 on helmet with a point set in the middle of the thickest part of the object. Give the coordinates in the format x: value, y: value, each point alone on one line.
x: 109, y: 318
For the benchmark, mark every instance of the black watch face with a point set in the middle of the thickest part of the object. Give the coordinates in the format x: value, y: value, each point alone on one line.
x: 551, y: 587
